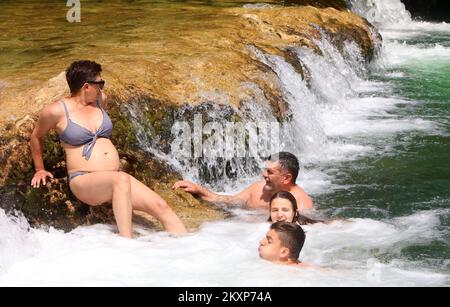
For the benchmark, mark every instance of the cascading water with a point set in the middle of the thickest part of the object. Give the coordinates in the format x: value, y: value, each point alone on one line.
x: 381, y: 12
x: 213, y: 141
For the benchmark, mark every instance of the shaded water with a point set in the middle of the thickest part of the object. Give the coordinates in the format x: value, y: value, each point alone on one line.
x: 37, y: 42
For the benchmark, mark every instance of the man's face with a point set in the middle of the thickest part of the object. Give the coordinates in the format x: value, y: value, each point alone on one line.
x: 281, y: 210
x: 275, y: 176
x: 270, y: 247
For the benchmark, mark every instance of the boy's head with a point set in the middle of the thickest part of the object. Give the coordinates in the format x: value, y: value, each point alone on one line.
x: 283, y: 242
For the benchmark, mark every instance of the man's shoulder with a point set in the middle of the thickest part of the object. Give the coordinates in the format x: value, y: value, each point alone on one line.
x: 258, y: 184
x: 257, y: 187
x: 303, y: 199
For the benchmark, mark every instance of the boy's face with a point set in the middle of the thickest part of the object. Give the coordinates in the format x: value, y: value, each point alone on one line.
x: 270, y: 248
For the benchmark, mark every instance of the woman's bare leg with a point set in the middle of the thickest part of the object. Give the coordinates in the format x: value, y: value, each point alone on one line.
x: 98, y: 188
x: 144, y: 199
x: 126, y: 193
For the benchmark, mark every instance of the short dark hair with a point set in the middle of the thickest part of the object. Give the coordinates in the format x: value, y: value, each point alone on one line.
x: 291, y: 236
x: 79, y: 72
x: 288, y: 162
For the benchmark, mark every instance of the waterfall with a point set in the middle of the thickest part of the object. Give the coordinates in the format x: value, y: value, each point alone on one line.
x: 382, y: 13
x: 320, y: 111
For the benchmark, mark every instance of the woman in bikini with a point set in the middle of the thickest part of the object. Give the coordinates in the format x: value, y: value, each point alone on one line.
x: 84, y: 129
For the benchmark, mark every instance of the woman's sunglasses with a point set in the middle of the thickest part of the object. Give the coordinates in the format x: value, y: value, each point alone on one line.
x: 101, y: 83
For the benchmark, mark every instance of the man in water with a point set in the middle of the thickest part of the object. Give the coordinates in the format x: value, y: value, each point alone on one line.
x: 283, y: 244
x: 280, y: 174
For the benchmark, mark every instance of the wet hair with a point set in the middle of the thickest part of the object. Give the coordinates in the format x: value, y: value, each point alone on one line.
x: 298, y: 218
x: 79, y: 72
x: 288, y: 162
x: 304, y: 220
x: 291, y: 236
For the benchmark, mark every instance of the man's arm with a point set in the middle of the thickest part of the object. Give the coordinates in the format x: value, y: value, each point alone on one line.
x: 240, y: 199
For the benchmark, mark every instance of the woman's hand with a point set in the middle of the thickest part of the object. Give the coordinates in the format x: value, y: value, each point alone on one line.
x: 40, y: 176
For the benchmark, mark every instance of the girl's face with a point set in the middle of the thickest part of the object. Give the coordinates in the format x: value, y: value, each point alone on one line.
x: 281, y: 210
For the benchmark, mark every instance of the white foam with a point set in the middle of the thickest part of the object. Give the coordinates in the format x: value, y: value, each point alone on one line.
x: 401, y: 54
x: 370, y: 117
x: 225, y: 254
x: 392, y: 18
x: 382, y: 12
x: 315, y: 180
x: 413, y: 29
x: 15, y: 244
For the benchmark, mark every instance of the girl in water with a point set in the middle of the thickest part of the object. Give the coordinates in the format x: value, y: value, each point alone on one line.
x: 283, y: 208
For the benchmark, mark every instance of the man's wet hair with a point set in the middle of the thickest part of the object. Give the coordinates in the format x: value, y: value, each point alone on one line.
x: 288, y: 162
x: 291, y: 236
x: 79, y: 72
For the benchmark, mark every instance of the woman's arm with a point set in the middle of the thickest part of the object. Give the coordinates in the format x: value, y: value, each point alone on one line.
x: 47, y: 121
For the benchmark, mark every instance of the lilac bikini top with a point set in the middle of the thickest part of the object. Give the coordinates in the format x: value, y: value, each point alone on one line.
x: 77, y: 135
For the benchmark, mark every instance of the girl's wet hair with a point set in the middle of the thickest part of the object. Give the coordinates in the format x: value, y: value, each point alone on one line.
x: 298, y: 218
